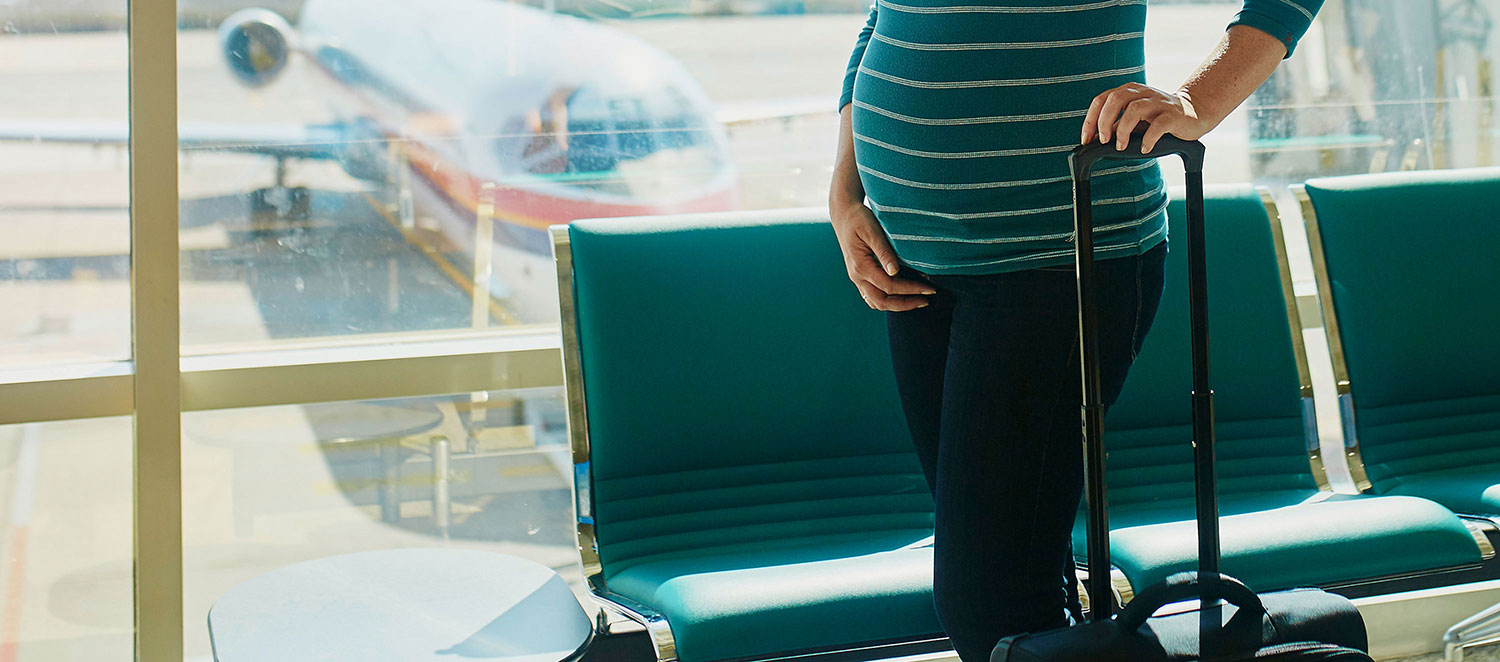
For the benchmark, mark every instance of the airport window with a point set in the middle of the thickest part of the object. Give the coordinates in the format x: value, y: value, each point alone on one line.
x: 267, y: 487
x: 64, y: 207
x: 1380, y: 86
x: 369, y: 179
x: 623, y: 146
x: 65, y: 526
x: 65, y: 582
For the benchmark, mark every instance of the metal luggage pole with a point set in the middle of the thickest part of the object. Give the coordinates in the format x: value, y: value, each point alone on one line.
x: 1203, y: 396
x: 1081, y: 163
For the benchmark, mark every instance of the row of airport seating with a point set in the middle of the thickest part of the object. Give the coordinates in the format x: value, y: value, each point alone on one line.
x: 747, y: 488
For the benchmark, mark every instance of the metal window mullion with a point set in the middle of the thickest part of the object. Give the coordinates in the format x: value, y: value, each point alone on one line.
x: 218, y: 382
x: 67, y: 398
x: 157, y: 475
x: 377, y: 379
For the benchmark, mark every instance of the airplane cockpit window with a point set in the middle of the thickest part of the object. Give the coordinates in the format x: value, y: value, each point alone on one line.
x: 642, y: 145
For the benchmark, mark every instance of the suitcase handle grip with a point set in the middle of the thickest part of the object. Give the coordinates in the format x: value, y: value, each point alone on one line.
x: 1186, y: 586
x: 1083, y: 157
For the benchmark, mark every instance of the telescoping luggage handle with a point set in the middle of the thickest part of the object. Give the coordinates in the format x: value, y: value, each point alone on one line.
x: 1081, y: 161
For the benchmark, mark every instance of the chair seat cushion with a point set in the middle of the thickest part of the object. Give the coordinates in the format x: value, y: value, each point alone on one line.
x: 1471, y: 490
x: 791, y: 595
x: 1271, y: 542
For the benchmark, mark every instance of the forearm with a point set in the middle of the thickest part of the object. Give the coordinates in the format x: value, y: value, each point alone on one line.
x: 1261, y: 36
x: 1243, y: 60
x: 845, y: 188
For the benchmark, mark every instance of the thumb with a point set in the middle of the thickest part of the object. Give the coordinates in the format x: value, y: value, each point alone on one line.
x: 875, y: 239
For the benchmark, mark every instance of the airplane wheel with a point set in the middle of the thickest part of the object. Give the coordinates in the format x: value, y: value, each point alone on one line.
x: 285, y: 204
x: 301, y: 203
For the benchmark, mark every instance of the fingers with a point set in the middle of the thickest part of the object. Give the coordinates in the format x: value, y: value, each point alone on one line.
x: 867, y: 272
x: 1135, y: 112
x: 1114, y: 102
x: 872, y: 264
x: 1159, y: 127
x: 878, y: 300
x: 882, y: 250
x: 897, y: 286
x: 1091, y: 120
x: 881, y: 271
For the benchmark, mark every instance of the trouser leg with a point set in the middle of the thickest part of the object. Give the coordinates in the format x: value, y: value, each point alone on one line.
x: 1009, y: 461
x: 919, y: 354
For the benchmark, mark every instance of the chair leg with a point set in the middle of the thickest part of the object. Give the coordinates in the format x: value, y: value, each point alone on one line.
x: 390, y: 487
x: 440, y: 497
x: 1477, y: 630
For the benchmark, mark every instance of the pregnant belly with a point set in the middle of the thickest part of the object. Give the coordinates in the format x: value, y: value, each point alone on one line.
x: 985, y: 124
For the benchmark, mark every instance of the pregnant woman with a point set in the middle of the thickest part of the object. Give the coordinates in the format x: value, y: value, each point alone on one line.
x: 956, y: 124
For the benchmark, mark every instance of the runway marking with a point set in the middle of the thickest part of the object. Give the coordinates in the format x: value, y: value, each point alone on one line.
x: 442, y: 263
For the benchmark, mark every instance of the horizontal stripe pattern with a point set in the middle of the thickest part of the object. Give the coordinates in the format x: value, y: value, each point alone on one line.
x: 1004, y: 183
x: 1066, y: 236
x: 1001, y: 9
x: 1008, y: 212
x: 963, y: 119
x: 1055, y: 149
x: 1287, y: 20
x: 1008, y: 45
x: 1003, y: 82
x: 1048, y: 258
x: 1299, y: 9
x: 956, y: 121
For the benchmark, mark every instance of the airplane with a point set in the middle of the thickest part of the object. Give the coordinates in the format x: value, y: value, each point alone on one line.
x: 483, y: 105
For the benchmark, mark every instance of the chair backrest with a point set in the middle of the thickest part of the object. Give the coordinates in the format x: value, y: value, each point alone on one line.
x: 1407, y: 263
x: 739, y: 393
x: 1262, y: 394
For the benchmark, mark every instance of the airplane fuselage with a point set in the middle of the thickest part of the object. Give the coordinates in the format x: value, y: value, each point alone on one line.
x: 499, y: 107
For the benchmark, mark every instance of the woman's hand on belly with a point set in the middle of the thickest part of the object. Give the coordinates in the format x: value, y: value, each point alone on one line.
x: 1115, y: 114
x: 871, y: 262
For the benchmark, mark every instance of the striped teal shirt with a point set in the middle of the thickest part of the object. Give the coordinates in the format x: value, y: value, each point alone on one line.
x: 964, y: 116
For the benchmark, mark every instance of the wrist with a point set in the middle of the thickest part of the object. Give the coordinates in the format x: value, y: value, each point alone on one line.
x: 1200, y: 121
x: 840, y: 201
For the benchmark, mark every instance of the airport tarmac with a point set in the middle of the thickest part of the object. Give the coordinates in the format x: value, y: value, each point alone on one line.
x: 264, y: 488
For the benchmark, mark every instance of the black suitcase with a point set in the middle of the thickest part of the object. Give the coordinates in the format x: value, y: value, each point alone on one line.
x: 1299, y: 624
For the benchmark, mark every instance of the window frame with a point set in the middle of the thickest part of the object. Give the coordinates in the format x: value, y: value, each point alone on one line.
x: 158, y: 383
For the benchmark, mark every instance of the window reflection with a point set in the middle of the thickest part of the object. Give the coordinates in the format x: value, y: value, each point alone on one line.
x: 1384, y: 85
x: 547, y: 150
x: 271, y: 486
x: 641, y: 146
x: 348, y: 148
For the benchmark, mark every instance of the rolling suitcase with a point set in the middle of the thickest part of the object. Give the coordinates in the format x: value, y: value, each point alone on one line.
x: 1300, y: 624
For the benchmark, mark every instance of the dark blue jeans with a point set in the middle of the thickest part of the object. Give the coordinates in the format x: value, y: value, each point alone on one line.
x: 989, y: 380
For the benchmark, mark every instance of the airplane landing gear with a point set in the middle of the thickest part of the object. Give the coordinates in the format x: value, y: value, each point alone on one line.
x: 292, y: 203
x: 273, y: 206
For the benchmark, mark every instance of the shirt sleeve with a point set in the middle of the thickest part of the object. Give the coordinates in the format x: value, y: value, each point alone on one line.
x: 1286, y: 20
x: 859, y: 54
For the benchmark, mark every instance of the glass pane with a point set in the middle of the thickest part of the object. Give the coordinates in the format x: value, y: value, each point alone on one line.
x: 65, y: 568
x: 399, y: 128
x: 267, y: 487
x: 64, y: 183
x: 335, y: 174
x: 1381, y: 86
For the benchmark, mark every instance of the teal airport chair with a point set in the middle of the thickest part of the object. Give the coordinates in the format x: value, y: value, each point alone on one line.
x: 1410, y: 289
x: 746, y: 485
x: 1282, y: 526
x: 1409, y: 279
